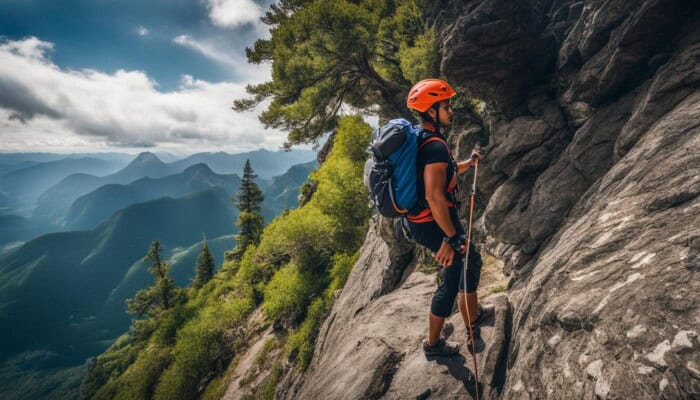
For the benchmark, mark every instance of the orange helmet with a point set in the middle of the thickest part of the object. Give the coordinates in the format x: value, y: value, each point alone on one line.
x: 428, y: 92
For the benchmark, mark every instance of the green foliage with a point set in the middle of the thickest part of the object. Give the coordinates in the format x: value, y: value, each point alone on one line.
x: 140, y: 378
x: 326, y: 54
x: 254, y: 272
x: 250, y: 222
x: 288, y: 293
x: 271, y: 344
x: 267, y: 390
x: 142, y: 329
x: 303, y: 257
x: 301, y: 342
x: 159, y: 297
x: 169, y: 322
x: 250, y: 196
x: 204, y: 268
x: 426, y: 262
x: 307, y: 190
x: 423, y: 59
x: 109, y: 365
x: 304, y: 236
x: 201, y: 343
x: 499, y: 289
x: 216, y: 388
x: 340, y: 183
x: 131, y: 367
x: 250, y: 225
x: 342, y: 266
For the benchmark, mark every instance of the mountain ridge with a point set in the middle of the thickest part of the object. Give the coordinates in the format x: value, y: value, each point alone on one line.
x: 82, y: 268
x: 56, y: 200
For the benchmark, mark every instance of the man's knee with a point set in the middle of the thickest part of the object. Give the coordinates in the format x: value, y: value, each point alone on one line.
x: 443, y: 300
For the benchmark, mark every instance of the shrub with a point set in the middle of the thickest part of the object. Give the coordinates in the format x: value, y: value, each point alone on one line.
x: 200, y: 343
x: 288, y: 294
x: 301, y: 342
x: 342, y: 266
x: 341, y: 194
x: 170, y: 322
x: 271, y: 344
x: 112, y: 363
x: 304, y: 236
x: 139, y: 380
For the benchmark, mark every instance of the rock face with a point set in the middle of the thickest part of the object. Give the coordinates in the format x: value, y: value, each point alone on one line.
x: 589, y: 195
x: 370, y: 346
x: 592, y: 184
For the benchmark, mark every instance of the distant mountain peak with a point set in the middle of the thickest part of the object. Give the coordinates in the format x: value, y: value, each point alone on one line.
x: 145, y: 159
x: 199, y: 168
x: 146, y: 156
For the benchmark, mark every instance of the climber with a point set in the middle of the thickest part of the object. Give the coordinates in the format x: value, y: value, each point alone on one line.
x: 437, y: 226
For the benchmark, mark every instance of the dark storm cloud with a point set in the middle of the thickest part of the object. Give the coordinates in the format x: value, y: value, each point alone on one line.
x: 135, y: 143
x: 17, y: 117
x: 21, y: 100
x: 187, y: 134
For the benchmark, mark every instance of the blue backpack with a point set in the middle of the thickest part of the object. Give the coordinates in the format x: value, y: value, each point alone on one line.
x: 390, y: 174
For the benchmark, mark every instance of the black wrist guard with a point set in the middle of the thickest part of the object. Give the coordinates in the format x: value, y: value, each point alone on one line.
x: 457, y: 242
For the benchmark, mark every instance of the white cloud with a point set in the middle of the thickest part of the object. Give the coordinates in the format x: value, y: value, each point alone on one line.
x: 233, y: 13
x: 142, y: 30
x: 65, y: 110
x: 30, y: 48
x: 247, y: 72
x: 206, y: 49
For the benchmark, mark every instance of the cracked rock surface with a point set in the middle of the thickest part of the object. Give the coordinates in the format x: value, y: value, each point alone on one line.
x: 591, y: 187
x: 370, y: 346
x: 589, y: 194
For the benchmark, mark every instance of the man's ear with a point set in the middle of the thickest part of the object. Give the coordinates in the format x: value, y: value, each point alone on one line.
x: 432, y: 113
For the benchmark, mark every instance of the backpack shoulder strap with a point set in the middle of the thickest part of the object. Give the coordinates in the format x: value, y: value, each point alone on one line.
x: 430, y: 137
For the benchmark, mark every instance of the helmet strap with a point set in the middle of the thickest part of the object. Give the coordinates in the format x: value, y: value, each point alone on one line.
x: 436, y: 121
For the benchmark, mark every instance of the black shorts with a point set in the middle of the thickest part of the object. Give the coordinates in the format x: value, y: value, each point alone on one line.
x: 430, y: 235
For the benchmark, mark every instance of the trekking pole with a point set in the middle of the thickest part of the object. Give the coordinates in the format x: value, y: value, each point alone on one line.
x: 475, y: 159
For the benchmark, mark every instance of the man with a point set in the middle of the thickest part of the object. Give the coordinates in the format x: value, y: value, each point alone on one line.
x: 437, y: 226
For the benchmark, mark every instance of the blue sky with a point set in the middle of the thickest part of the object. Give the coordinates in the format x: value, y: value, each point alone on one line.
x: 80, y: 75
x: 109, y: 35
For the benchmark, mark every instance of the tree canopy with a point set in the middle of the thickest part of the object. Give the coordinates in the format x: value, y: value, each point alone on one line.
x: 363, y: 54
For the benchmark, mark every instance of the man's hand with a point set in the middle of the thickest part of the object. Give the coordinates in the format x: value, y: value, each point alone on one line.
x: 449, y: 248
x: 445, y: 255
x: 463, y: 166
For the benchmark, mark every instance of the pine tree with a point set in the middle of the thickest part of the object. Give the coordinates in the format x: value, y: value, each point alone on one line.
x: 250, y: 222
x: 162, y: 295
x: 327, y: 55
x: 204, y: 268
x: 250, y: 196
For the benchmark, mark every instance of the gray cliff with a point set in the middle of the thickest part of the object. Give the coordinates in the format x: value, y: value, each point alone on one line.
x: 588, y: 195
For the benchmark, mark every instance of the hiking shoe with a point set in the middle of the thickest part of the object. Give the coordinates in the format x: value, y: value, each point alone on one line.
x: 483, y: 314
x: 477, y: 346
x: 441, y: 348
x: 448, y: 329
x: 485, y: 311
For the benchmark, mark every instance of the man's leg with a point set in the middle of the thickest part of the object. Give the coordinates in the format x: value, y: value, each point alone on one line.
x: 440, y: 308
x: 472, y: 303
x: 435, y: 324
